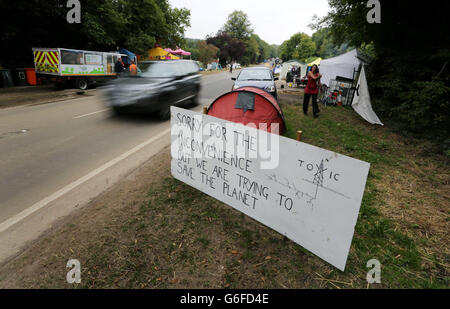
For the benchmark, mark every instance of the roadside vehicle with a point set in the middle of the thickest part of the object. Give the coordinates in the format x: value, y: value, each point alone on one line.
x: 72, y: 67
x: 157, y: 86
x: 259, y: 77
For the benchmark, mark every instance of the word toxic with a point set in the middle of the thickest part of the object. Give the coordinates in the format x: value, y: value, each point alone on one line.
x: 319, y: 169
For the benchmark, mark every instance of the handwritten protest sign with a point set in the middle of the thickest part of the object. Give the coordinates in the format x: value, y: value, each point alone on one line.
x: 310, y: 195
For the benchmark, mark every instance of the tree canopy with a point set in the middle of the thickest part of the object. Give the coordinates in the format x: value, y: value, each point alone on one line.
x: 325, y: 46
x: 105, y: 25
x: 238, y: 26
x: 299, y: 46
x: 231, y: 49
x: 207, y: 52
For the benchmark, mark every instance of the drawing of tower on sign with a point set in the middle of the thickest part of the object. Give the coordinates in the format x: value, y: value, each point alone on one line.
x: 318, y: 177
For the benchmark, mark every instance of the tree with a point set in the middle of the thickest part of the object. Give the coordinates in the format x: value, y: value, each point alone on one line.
x: 252, y: 52
x: 238, y: 26
x: 105, y: 25
x: 237, y: 42
x: 274, y: 51
x: 206, y: 52
x: 325, y: 46
x: 299, y: 46
x: 192, y: 46
x: 175, y: 24
x: 263, y: 47
x: 231, y: 49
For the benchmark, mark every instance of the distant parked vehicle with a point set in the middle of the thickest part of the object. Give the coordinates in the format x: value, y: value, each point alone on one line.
x: 259, y: 77
x: 159, y: 85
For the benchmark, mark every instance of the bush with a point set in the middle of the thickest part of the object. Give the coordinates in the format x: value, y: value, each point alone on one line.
x: 420, y: 106
x: 425, y: 106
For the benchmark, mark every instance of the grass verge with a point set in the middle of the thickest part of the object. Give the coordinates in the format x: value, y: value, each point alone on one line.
x: 152, y: 231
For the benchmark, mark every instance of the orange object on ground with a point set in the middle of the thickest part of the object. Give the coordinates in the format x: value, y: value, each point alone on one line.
x: 30, y: 73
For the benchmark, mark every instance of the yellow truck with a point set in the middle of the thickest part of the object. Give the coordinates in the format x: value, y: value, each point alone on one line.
x: 81, y: 68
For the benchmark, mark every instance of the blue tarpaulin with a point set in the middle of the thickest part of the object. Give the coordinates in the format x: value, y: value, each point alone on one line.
x: 130, y: 55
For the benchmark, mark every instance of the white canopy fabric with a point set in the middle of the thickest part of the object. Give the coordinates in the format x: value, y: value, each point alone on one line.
x: 343, y: 65
x: 287, y: 66
x: 361, y: 101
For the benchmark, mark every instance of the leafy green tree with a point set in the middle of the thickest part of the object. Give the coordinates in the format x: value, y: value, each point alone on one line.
x: 325, y: 46
x: 274, y: 51
x: 305, y: 47
x: 206, y: 52
x: 299, y: 46
x: 252, y: 52
x: 105, y: 25
x: 263, y: 47
x: 238, y: 26
x: 175, y: 23
x: 191, y: 45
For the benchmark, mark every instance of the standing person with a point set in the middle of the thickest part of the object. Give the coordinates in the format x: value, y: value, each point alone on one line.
x: 231, y: 67
x: 118, y: 66
x: 312, y: 90
x: 133, y: 69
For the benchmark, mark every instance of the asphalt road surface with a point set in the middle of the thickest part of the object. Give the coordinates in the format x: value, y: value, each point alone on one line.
x: 46, y: 147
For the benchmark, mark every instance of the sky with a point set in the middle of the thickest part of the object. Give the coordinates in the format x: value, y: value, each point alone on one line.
x: 274, y: 21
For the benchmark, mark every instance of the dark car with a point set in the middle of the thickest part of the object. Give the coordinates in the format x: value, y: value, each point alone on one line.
x: 156, y: 86
x: 260, y: 77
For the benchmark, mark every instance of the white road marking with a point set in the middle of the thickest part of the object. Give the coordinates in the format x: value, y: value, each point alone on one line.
x: 100, y: 111
x: 42, y: 203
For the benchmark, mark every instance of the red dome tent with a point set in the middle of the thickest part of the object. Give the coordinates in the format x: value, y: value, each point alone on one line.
x: 249, y: 105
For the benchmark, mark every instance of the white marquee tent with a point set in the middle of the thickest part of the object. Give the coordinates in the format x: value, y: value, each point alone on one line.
x: 347, y: 65
x: 287, y: 66
x: 343, y: 65
x: 361, y: 101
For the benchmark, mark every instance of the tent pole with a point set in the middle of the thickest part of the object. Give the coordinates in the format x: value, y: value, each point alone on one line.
x: 355, y: 81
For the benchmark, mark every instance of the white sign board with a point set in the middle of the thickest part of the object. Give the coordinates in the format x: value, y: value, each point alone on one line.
x: 309, y: 194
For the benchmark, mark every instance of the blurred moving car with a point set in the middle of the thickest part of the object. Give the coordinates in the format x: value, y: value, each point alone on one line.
x: 157, y: 86
x: 259, y: 77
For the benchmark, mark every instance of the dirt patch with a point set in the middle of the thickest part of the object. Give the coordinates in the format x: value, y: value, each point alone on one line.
x: 290, y: 98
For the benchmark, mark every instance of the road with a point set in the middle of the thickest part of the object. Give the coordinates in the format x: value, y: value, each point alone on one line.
x: 44, y: 148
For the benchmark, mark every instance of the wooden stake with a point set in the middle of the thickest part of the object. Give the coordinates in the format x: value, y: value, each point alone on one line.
x: 205, y: 110
x: 299, y: 135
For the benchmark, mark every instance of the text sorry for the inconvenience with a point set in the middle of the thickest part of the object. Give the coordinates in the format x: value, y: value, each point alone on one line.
x: 310, y: 195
